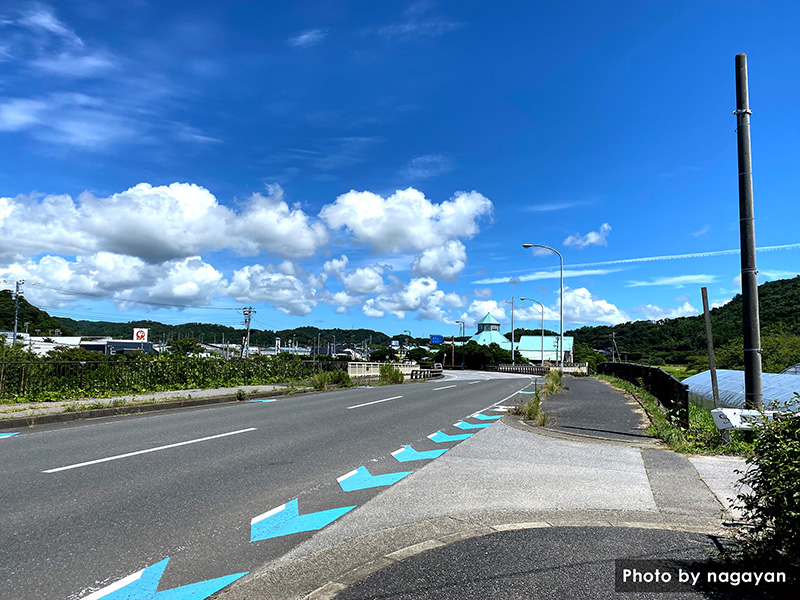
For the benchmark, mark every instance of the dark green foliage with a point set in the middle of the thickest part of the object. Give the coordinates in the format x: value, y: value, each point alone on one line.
x: 380, y: 354
x: 76, y: 354
x: 185, y: 346
x: 40, y: 380
x: 683, y: 340
x: 390, y: 375
x: 584, y: 354
x: 419, y: 355
x: 37, y: 320
x: 478, y: 357
x: 773, y: 507
x: 327, y: 379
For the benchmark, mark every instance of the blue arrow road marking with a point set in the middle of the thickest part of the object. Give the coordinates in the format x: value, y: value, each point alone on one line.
x: 286, y: 519
x: 5, y: 435
x: 361, y: 479
x: 440, y: 437
x: 142, y: 585
x: 521, y: 392
x: 407, y: 453
x: 485, y: 418
x: 463, y: 425
x: 264, y: 400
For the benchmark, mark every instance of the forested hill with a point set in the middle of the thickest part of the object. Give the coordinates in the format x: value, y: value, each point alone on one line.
x: 675, y: 340
x: 39, y: 322
x: 211, y: 333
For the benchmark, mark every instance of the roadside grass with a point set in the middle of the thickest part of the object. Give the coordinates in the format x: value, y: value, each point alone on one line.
x: 702, y: 437
x: 532, y: 410
x: 679, y: 372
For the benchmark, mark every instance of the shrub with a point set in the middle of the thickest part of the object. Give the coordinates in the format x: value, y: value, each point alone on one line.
x: 553, y: 381
x: 773, y: 507
x: 325, y: 379
x: 390, y: 374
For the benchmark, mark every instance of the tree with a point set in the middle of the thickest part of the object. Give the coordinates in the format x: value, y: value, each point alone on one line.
x: 380, y: 353
x: 185, y: 347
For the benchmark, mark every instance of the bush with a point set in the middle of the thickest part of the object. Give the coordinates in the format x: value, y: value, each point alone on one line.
x: 325, y: 379
x: 773, y: 507
x: 389, y: 375
x: 532, y: 411
x: 553, y: 381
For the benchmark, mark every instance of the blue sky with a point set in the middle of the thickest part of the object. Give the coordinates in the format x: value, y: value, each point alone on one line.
x: 380, y: 164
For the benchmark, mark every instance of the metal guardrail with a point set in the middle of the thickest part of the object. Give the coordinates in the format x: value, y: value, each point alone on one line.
x: 581, y: 368
x: 671, y: 393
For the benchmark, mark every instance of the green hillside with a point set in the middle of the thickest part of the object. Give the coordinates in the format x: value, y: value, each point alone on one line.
x: 683, y: 340
x: 39, y: 322
x: 212, y: 333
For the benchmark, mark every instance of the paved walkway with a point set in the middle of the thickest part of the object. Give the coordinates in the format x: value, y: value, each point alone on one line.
x: 591, y: 407
x: 512, y: 513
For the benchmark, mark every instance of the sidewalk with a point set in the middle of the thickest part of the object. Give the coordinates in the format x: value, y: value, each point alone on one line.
x: 513, y: 512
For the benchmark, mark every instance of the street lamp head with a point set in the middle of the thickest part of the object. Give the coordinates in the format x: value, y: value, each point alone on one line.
x: 527, y: 245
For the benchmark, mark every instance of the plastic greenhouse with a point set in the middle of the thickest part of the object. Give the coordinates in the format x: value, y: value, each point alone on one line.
x: 778, y: 387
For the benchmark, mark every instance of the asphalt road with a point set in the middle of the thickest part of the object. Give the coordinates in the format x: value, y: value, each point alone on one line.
x: 186, y: 484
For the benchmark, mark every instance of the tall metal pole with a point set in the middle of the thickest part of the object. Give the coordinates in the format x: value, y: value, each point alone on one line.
x: 710, y: 341
x: 560, y: 302
x: 750, y: 318
x: 16, y: 309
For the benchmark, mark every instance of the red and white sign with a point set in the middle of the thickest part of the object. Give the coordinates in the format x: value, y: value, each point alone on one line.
x: 140, y: 335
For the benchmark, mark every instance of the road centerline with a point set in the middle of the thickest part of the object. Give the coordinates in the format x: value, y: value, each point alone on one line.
x: 374, y: 402
x: 148, y: 450
x: 444, y: 388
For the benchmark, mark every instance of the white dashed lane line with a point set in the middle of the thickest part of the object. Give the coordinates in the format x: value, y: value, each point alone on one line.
x: 375, y: 402
x: 444, y: 388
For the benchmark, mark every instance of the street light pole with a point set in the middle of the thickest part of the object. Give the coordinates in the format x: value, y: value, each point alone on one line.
x: 513, y: 362
x: 542, y: 305
x: 560, y: 302
x: 462, y: 328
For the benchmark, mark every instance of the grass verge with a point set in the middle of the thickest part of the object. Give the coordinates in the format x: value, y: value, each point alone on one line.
x: 702, y: 437
x: 532, y: 410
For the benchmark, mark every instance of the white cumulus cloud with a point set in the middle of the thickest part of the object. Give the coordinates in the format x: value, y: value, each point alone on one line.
x: 406, y: 220
x: 593, y: 238
x: 287, y: 293
x: 442, y: 262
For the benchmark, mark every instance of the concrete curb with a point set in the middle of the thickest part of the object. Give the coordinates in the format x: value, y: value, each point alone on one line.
x: 132, y: 408
x: 327, y: 572
x: 518, y: 422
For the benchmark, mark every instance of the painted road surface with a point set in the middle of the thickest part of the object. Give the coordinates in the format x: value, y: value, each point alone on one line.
x: 99, y: 506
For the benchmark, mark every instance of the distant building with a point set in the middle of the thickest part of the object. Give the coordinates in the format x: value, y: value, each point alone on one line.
x: 529, y: 346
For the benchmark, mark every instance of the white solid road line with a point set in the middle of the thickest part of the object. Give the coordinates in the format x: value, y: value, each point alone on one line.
x: 102, y: 460
x: 443, y: 388
x: 474, y: 382
x: 375, y: 402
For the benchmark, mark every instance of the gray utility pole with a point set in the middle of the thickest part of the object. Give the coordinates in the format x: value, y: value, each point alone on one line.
x: 750, y: 319
x: 17, y: 292
x: 248, y: 313
x: 710, y: 340
x: 512, y: 330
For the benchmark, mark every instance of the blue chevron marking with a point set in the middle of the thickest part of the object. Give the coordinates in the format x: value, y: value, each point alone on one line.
x: 5, y: 435
x: 143, y: 584
x: 264, y: 400
x: 485, y: 418
x: 463, y: 425
x: 407, y: 453
x: 440, y: 437
x: 361, y: 479
x: 286, y: 520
